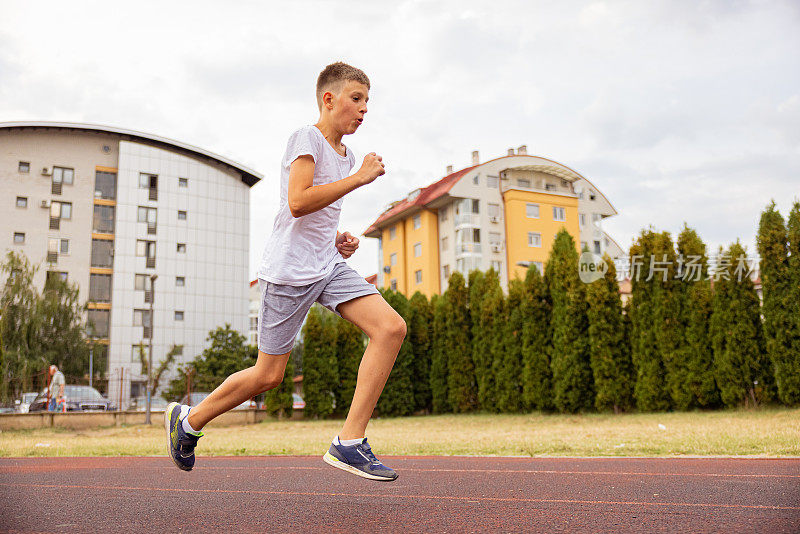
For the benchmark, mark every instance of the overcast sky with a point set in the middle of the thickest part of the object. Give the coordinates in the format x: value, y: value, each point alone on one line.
x: 676, y: 111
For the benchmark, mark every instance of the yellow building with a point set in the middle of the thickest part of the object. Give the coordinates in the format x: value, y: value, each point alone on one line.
x: 502, y: 214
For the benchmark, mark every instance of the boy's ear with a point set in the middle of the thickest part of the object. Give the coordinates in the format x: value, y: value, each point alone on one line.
x: 327, y: 99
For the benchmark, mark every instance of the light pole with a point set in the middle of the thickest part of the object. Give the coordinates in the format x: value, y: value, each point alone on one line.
x: 150, y: 356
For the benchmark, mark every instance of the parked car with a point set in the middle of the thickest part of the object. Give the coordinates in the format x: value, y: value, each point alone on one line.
x: 198, y: 396
x: 297, y: 402
x: 24, y: 402
x: 78, y: 399
x: 139, y: 404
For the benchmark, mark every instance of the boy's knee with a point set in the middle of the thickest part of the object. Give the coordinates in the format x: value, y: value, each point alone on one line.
x: 397, y: 328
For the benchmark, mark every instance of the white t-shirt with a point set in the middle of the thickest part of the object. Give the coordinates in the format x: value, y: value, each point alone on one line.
x: 302, y: 250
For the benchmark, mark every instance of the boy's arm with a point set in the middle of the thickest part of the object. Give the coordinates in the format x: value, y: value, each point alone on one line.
x: 305, y: 198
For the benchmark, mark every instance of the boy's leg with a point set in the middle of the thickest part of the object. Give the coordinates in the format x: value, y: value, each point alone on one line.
x: 266, y: 374
x: 386, y: 331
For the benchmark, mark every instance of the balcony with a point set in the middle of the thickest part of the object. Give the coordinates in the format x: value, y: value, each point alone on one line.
x: 55, y: 223
x: 468, y: 248
x: 151, y: 263
x: 468, y: 219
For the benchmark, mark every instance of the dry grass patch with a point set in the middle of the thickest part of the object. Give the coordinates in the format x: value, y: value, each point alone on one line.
x: 768, y: 432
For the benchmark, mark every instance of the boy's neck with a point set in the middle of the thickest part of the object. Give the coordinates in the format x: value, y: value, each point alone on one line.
x: 333, y: 136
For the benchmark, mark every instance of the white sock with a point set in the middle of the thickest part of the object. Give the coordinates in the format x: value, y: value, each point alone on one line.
x: 187, y: 427
x: 347, y: 442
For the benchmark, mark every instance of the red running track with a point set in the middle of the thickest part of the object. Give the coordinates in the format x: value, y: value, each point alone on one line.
x: 433, y: 494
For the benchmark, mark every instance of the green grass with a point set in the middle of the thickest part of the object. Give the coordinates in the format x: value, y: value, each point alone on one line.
x: 765, y: 432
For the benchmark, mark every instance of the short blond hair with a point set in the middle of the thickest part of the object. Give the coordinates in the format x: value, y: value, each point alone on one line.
x: 334, y: 75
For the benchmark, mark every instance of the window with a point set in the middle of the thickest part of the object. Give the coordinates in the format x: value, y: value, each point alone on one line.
x: 592, y: 195
x: 149, y: 181
x: 141, y: 317
x: 492, y: 181
x: 103, y: 220
x: 534, y: 239
x: 22, y: 202
x: 444, y: 243
x: 55, y: 275
x: 105, y: 185
x: 597, y: 247
x: 475, y: 180
x: 550, y: 187
x: 142, y: 282
x: 98, y: 322
x: 147, y: 249
x: 102, y: 253
x: 183, y: 182
x: 416, y: 219
x: 393, y: 258
x: 392, y: 232
x: 61, y: 210
x: 523, y: 182
x: 580, y: 193
x: 181, y: 215
x: 584, y: 245
x: 180, y: 281
x: 417, y: 250
x: 532, y: 211
x: 446, y: 271
x: 582, y: 219
x: 19, y: 238
x: 64, y: 246
x: 179, y: 316
x: 495, y: 238
x: 539, y: 266
x: 476, y: 235
x: 149, y: 216
x: 493, y: 210
x: 475, y: 205
x: 443, y: 214
x: 496, y: 265
x: 181, y: 248
x: 418, y: 276
x: 100, y: 287
x: 138, y: 351
x: 393, y: 284
x: 24, y: 167
x: 52, y: 249
x: 63, y: 175
x: 559, y: 214
x: 596, y: 217
x: 254, y: 323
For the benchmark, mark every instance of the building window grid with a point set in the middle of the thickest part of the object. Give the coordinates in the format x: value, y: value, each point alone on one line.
x: 532, y: 211
x: 559, y: 214
x: 534, y: 239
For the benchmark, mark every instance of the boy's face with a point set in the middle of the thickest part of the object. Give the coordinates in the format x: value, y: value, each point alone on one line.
x: 349, y: 106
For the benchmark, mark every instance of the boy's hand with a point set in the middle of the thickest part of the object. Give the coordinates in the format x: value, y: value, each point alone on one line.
x: 346, y: 244
x: 371, y: 168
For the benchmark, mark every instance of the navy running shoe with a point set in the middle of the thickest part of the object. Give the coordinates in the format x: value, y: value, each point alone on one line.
x: 359, y: 460
x: 180, y: 445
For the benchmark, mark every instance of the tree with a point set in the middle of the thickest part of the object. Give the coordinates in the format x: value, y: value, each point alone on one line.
x: 320, y: 369
x: 647, y: 312
x: 609, y: 352
x: 61, y: 335
x: 398, y: 394
x: 572, y: 373
x: 536, y: 343
x: 508, y: 370
x: 438, y: 378
x: 697, y: 386
x: 740, y: 366
x: 349, y: 350
x: 481, y: 356
x: 165, y: 364
x: 420, y: 328
x: 781, y: 328
x: 491, y: 322
x: 461, y: 389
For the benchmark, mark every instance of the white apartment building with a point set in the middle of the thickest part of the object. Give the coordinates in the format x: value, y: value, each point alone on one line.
x: 111, y: 210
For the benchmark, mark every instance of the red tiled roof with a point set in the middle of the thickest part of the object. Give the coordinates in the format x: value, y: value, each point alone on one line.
x: 373, y: 279
x: 426, y: 195
x: 254, y: 282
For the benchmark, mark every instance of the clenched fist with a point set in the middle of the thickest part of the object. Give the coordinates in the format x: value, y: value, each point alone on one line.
x: 371, y: 168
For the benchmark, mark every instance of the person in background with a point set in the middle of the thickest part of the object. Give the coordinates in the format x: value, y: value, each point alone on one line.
x: 56, y: 388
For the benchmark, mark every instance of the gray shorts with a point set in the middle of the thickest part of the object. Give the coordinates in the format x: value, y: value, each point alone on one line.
x: 283, y: 308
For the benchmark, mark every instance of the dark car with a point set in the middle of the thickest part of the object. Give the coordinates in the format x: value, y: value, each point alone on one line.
x: 78, y: 399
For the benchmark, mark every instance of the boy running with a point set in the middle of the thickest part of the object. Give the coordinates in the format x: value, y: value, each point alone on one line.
x: 303, y: 263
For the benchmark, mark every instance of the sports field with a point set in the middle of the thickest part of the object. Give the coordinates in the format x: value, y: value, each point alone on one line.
x: 766, y: 432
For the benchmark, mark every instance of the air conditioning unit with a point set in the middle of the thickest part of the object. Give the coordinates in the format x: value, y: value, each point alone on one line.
x: 47, y: 171
x: 496, y: 248
x: 494, y: 219
x: 387, y: 269
x: 45, y: 203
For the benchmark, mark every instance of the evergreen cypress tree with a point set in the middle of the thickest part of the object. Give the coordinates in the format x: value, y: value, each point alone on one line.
x: 610, y: 357
x: 481, y: 358
x: 421, y: 334
x: 349, y: 350
x: 572, y: 373
x: 740, y: 365
x: 508, y: 372
x: 697, y: 387
x: 791, y: 371
x: 279, y: 401
x: 491, y: 322
x: 537, y: 338
x: 646, y: 313
x: 461, y: 389
x: 320, y: 368
x: 438, y: 380
x: 398, y: 394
